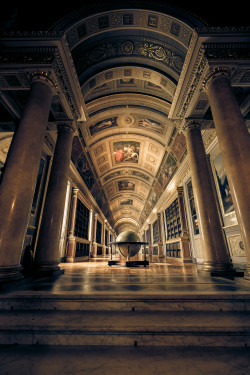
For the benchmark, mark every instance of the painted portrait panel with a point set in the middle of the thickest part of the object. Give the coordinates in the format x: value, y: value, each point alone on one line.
x: 126, y: 185
x: 76, y: 149
x: 126, y: 202
x: 223, y: 185
x: 102, y: 125
x: 152, y: 125
x: 179, y: 146
x: 86, y: 172
x: 126, y: 151
x: 167, y: 170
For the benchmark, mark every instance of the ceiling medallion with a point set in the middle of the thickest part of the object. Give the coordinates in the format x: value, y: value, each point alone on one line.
x: 128, y: 47
x: 125, y: 120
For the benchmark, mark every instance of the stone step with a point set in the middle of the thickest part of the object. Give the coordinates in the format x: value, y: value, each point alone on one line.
x: 138, y: 328
x: 102, y: 302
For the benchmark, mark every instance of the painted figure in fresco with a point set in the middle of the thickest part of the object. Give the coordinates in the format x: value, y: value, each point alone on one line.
x: 126, y: 151
x: 154, y: 126
x: 130, y: 153
x: 104, y: 124
x: 119, y: 155
x: 126, y: 185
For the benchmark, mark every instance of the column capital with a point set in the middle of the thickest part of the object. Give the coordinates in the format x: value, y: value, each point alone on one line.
x: 192, y: 124
x: 218, y: 72
x: 67, y: 125
x: 44, y: 77
x: 75, y: 191
x: 180, y: 190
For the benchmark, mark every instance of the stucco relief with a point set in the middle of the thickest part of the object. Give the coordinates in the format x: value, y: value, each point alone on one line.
x: 236, y: 246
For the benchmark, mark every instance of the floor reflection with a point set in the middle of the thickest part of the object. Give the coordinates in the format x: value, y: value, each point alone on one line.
x: 95, y: 276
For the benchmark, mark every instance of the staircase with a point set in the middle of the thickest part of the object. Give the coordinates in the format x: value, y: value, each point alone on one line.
x: 174, y: 320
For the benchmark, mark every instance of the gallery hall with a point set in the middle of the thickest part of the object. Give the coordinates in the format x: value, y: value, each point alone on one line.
x: 124, y: 188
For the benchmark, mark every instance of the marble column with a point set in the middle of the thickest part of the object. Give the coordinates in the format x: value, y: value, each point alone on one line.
x: 47, y: 252
x: 71, y: 249
x: 109, y: 239
x: 150, y: 242
x: 94, y: 244
x: 234, y: 142
x: 216, y: 255
x: 160, y: 242
x: 145, y: 240
x: 103, y: 238
x: 184, y: 229
x: 19, y: 179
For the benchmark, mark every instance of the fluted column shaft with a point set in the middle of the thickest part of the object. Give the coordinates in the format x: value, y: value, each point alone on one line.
x: 71, y: 249
x: 216, y: 256
x: 47, y: 253
x: 234, y: 142
x: 19, y: 179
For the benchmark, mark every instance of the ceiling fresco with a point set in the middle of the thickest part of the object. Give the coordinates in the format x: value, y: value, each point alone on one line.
x: 128, y: 64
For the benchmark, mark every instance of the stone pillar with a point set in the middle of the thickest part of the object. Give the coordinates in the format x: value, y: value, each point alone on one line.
x: 19, y: 179
x: 71, y: 237
x: 234, y: 142
x: 94, y: 244
x: 184, y: 235
x: 160, y: 243
x: 145, y: 240
x: 150, y: 245
x: 109, y: 239
x: 47, y: 253
x: 216, y: 256
x: 103, y: 238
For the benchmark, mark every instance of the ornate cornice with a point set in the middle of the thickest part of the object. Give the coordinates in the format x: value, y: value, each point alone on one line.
x: 51, y: 34
x: 223, y: 30
x: 227, y: 51
x: 46, y: 52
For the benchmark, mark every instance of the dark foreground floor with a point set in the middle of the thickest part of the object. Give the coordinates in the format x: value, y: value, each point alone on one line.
x: 96, y: 278
x: 26, y: 360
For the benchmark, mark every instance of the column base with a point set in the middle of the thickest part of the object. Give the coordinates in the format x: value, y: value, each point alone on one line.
x: 8, y: 274
x: 94, y: 251
x: 187, y: 260
x: 46, y: 270
x: 220, y: 269
x: 247, y: 273
x: 70, y: 260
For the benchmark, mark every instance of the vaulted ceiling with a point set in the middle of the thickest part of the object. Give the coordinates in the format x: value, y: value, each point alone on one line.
x: 128, y: 64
